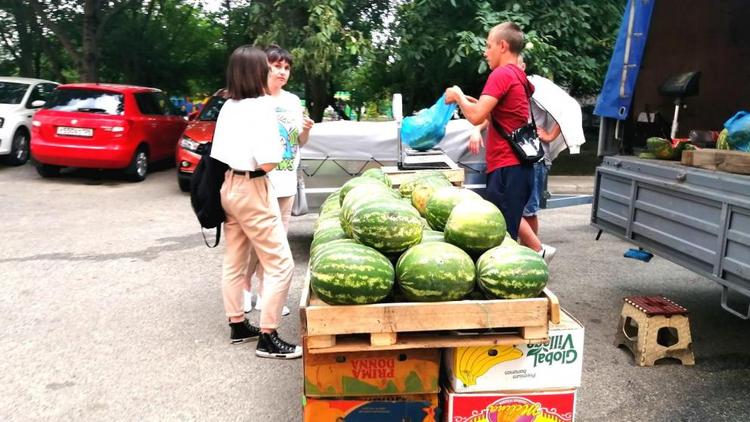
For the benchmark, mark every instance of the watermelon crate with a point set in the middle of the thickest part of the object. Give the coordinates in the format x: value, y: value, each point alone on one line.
x: 413, y: 408
x: 551, y: 406
x: 372, y: 373
x: 555, y: 364
x: 413, y: 325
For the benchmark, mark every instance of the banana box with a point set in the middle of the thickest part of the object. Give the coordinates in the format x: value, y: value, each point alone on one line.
x: 543, y: 406
x: 380, y: 373
x: 557, y: 364
x: 414, y: 408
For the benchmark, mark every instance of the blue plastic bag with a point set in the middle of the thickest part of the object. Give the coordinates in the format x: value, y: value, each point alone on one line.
x: 426, y: 129
x: 738, y: 131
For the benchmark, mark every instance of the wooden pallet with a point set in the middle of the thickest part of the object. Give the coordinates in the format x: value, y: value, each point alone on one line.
x: 455, y: 176
x: 412, y: 325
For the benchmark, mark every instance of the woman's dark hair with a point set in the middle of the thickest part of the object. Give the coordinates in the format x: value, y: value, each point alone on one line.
x: 247, y: 73
x: 278, y: 54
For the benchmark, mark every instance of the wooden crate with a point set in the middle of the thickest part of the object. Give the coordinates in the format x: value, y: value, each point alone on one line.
x: 715, y: 159
x: 455, y: 175
x: 413, y: 325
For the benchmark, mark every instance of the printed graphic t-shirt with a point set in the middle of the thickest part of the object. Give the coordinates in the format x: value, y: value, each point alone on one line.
x: 506, y: 83
x: 289, y: 116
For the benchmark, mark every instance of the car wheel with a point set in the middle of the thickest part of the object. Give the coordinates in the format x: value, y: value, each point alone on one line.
x: 138, y: 167
x: 19, y: 150
x: 183, y: 180
x: 48, y: 170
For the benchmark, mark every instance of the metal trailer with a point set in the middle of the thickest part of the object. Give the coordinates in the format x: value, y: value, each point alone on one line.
x: 699, y: 219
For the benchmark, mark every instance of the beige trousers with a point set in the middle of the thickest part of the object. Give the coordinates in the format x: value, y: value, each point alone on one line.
x: 253, y: 223
x: 253, y: 269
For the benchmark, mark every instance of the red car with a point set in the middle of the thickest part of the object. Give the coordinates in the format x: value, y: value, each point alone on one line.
x: 105, y: 126
x: 194, y: 142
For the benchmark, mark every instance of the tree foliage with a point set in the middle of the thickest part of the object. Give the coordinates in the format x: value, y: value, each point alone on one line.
x: 371, y: 48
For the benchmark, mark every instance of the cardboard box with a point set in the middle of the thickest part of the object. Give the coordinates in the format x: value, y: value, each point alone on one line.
x: 557, y: 364
x: 416, y: 408
x: 547, y: 406
x: 382, y: 373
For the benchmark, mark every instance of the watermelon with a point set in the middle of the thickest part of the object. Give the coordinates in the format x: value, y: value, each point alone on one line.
x: 435, y: 272
x: 508, y: 241
x: 475, y: 225
x: 441, y: 203
x: 320, y: 248
x: 660, y: 147
x: 511, y: 272
x: 326, y: 235
x: 387, y: 225
x: 377, y: 173
x: 326, y: 223
x: 331, y: 205
x: 351, y: 274
x: 359, y: 196
x: 357, y: 181
x: 424, y: 189
x: 407, y: 187
x: 432, y: 236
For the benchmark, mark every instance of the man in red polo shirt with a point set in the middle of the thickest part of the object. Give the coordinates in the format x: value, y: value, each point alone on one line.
x: 504, y: 99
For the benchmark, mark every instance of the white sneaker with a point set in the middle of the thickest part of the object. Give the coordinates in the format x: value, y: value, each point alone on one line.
x: 248, y: 301
x: 547, y: 252
x: 284, y: 311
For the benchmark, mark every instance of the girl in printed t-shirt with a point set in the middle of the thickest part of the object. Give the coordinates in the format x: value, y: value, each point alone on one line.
x: 294, y: 131
x: 246, y: 139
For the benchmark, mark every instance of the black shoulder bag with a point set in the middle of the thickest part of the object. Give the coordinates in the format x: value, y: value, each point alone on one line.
x: 205, y: 194
x: 524, y: 141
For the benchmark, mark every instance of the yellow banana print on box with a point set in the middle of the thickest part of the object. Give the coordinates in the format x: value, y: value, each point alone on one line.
x: 473, y: 362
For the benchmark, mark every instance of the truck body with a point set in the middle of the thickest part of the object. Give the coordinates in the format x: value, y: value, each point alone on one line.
x: 699, y: 219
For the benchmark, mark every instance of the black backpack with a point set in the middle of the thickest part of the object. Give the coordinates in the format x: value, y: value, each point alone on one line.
x: 205, y: 195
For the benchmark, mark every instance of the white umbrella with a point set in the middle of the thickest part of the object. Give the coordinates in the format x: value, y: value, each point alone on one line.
x: 551, y: 101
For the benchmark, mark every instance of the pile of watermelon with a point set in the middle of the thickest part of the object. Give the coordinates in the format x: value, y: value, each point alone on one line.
x: 427, y: 241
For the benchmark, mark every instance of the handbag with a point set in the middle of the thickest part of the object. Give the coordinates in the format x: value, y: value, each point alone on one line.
x: 205, y: 194
x: 300, y: 199
x: 524, y: 141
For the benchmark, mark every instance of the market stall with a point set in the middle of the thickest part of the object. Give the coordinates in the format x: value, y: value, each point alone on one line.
x: 417, y: 307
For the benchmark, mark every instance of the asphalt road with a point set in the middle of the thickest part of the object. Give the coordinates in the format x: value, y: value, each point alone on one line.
x: 110, y: 309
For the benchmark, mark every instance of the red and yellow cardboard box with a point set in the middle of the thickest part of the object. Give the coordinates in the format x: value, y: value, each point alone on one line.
x: 547, y: 406
x: 557, y: 364
x: 381, y: 373
x: 414, y: 408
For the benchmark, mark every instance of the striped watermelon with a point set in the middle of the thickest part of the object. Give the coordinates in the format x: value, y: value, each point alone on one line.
x: 351, y: 274
x: 435, y: 272
x: 475, y: 226
x: 358, y: 197
x: 389, y: 226
x: 326, y: 223
x: 377, y: 173
x: 511, y: 272
x: 441, y: 204
x: 407, y: 187
x: 320, y: 248
x: 432, y: 236
x: 331, y: 205
x: 423, y: 191
x: 326, y: 235
x: 357, y: 181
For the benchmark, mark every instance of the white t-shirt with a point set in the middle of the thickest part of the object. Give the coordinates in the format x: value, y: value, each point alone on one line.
x: 289, y: 117
x: 246, y: 134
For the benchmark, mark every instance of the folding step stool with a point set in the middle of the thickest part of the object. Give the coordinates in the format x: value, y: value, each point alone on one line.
x: 661, y: 330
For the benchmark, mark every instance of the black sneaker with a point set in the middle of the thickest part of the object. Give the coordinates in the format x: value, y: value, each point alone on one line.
x: 242, y: 332
x: 272, y: 346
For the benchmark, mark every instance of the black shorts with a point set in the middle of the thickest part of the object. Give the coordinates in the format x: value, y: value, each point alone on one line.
x: 509, y: 188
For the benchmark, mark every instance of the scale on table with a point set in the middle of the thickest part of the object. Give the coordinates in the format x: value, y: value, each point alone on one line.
x: 411, y: 159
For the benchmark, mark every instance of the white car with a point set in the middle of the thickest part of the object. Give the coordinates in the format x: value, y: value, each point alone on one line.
x: 20, y: 98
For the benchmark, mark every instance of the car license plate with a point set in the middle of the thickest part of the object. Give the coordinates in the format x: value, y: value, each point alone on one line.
x: 75, y: 131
